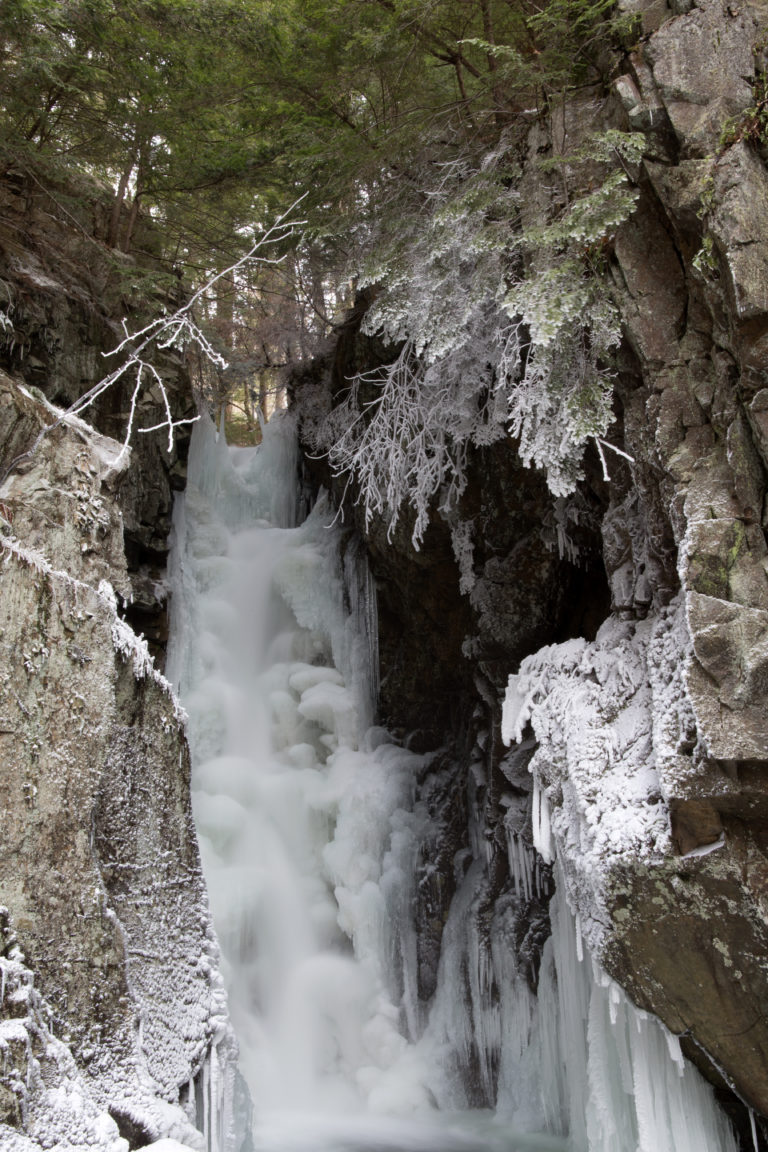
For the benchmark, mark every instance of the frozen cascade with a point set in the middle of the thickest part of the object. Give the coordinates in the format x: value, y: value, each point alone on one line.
x: 311, y: 824
x: 617, y: 1076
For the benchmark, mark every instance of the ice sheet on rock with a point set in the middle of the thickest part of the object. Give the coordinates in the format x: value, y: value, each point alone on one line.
x: 591, y: 707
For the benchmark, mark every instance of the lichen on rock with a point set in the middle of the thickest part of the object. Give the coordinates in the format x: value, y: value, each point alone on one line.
x: 99, y: 865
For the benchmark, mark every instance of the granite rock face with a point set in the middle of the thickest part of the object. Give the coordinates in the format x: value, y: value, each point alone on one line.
x: 100, y: 875
x: 675, y: 905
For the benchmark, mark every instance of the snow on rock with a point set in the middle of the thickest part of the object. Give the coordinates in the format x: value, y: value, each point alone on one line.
x: 598, y: 798
x: 166, y: 1146
x: 124, y: 640
x: 638, y: 814
x: 41, y: 1087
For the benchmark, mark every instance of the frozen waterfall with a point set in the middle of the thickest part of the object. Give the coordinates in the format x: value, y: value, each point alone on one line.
x: 310, y: 826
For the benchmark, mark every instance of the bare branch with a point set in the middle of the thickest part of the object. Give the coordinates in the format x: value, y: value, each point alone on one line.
x: 163, y: 332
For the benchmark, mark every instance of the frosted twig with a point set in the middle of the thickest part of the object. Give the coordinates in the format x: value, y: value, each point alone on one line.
x: 163, y: 424
x: 163, y: 332
x: 619, y: 452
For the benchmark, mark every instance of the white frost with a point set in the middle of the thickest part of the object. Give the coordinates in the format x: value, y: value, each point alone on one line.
x: 591, y: 707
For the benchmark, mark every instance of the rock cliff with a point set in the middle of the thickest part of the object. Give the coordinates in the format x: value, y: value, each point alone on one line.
x: 108, y: 944
x: 63, y: 296
x: 113, y: 1024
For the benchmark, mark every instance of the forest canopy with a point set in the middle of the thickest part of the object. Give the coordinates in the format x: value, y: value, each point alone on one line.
x: 209, y: 113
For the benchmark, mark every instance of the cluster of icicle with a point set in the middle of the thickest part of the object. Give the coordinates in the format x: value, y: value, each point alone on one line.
x: 311, y: 827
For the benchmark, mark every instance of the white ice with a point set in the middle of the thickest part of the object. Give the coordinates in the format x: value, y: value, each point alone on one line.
x: 310, y: 829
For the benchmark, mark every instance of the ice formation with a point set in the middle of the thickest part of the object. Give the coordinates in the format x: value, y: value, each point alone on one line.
x: 51, y: 1095
x: 616, y: 1073
x: 311, y: 824
x: 610, y: 718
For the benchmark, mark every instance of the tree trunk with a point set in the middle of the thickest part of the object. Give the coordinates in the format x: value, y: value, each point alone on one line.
x: 133, y: 215
x: 117, y: 208
x: 493, y: 64
x: 250, y: 419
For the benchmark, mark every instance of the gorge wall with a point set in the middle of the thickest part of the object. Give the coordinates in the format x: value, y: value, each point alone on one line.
x: 113, y: 1020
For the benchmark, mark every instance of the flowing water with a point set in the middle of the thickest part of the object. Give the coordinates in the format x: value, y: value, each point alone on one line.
x: 310, y: 827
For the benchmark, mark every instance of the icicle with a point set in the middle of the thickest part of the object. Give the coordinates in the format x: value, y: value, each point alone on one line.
x: 753, y: 1128
x: 614, y: 999
x: 675, y: 1051
x: 217, y: 1102
x: 542, y: 828
x: 627, y: 1087
x: 579, y: 942
x: 206, y: 1104
x: 514, y: 860
x: 526, y: 863
x: 522, y: 866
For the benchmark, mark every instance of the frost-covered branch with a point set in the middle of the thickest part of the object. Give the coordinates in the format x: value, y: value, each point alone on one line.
x: 500, y: 330
x: 403, y: 430
x: 178, y: 330
x: 619, y: 452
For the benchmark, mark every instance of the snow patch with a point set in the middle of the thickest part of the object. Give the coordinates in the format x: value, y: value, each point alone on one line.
x: 56, y: 1106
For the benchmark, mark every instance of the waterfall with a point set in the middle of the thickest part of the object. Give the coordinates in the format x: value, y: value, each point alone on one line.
x: 311, y: 825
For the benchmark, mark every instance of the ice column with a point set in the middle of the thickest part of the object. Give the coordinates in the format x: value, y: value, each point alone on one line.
x: 613, y: 1076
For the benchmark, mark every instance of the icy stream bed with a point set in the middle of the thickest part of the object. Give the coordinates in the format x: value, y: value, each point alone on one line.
x: 310, y: 826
